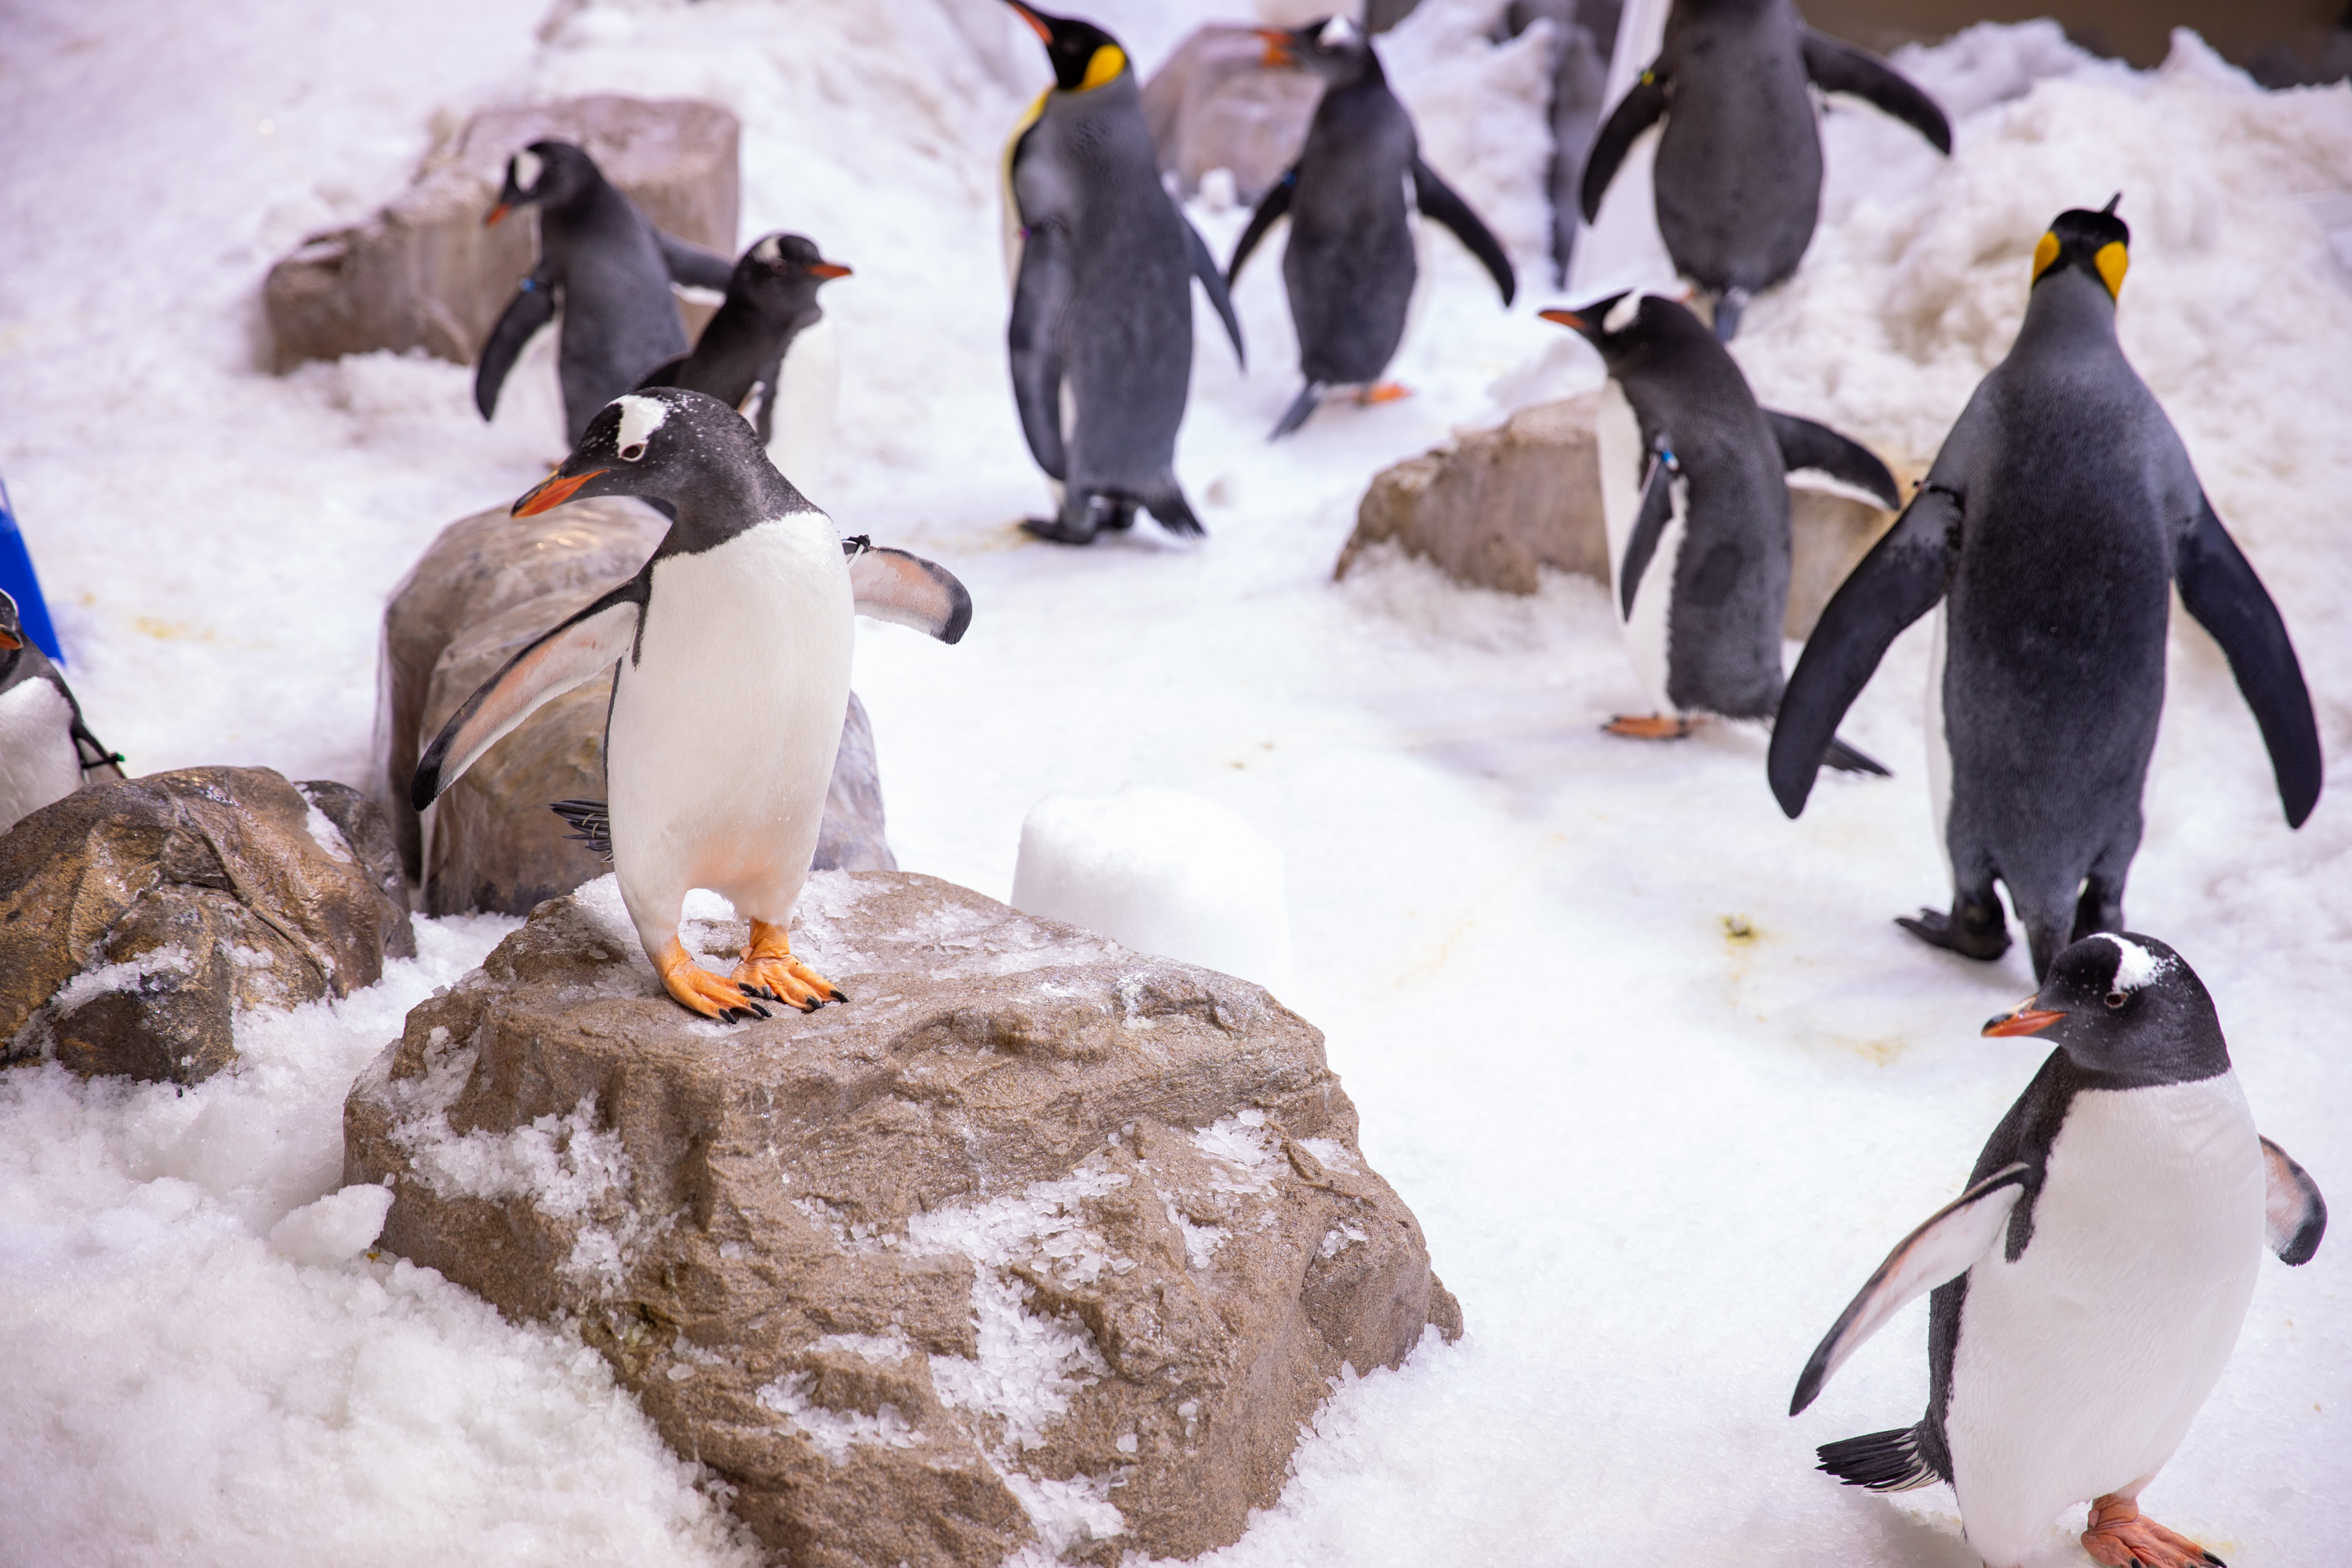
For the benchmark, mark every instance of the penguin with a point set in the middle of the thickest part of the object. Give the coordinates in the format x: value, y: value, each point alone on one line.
x: 46, y: 753
x: 1738, y: 176
x: 763, y: 351
x: 2090, y: 1282
x: 2058, y: 517
x: 733, y: 643
x: 1695, y: 493
x: 1102, y: 258
x: 1350, y: 268
x: 607, y: 268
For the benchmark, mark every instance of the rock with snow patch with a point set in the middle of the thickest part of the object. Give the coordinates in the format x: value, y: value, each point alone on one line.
x: 137, y: 917
x: 1034, y: 1243
x: 1215, y: 104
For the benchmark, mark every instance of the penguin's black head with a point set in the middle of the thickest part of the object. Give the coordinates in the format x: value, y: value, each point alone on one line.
x: 543, y: 173
x: 2097, y: 244
x: 688, y: 454
x: 2125, y: 1006
x: 1334, y: 48
x: 1628, y: 328
x: 784, y: 269
x: 1083, y: 55
x: 12, y: 633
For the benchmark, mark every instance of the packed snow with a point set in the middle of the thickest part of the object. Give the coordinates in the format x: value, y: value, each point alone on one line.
x: 1651, y: 1064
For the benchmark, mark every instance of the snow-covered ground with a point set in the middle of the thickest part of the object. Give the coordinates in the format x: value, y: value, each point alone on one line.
x: 1657, y: 1074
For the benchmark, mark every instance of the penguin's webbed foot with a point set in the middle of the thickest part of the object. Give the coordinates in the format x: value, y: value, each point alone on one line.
x: 700, y: 991
x: 1982, y: 939
x: 1383, y: 392
x: 2120, y: 1538
x: 1055, y: 530
x: 1652, y: 727
x: 770, y: 970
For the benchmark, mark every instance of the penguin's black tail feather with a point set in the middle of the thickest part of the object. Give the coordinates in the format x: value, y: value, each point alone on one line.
x: 1883, y: 1461
x: 1296, y: 414
x: 591, y: 823
x: 1846, y: 759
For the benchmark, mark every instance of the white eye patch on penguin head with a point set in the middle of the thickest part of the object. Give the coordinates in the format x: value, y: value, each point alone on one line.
x: 527, y: 170
x: 640, y: 417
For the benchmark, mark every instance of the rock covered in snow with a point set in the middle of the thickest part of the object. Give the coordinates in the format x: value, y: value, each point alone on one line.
x: 137, y: 917
x: 1035, y: 1242
x: 1215, y: 104
x: 424, y: 273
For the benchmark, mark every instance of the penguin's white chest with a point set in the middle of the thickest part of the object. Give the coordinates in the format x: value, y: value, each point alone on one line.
x: 1624, y: 466
x: 807, y: 390
x: 2080, y: 1365
x: 37, y: 760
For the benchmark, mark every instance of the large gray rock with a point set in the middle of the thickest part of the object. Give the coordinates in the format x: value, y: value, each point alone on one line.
x: 1214, y: 104
x: 1035, y: 1241
x: 424, y: 273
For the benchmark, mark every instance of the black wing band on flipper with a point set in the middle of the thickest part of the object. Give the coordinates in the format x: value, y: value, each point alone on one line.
x: 2219, y: 587
x: 1635, y: 112
x: 1899, y: 581
x: 1649, y: 526
x: 2294, y: 1217
x: 1440, y: 203
x: 532, y: 308
x: 1806, y: 445
x: 1204, y: 263
x: 1841, y: 67
x: 1945, y: 1248
x: 909, y: 591
x: 1271, y: 207
x: 1034, y: 340
x: 693, y: 266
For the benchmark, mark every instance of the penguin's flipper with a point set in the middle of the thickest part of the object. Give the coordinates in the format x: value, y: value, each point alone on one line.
x: 579, y: 651
x: 1273, y: 205
x: 2219, y: 587
x: 1841, y: 67
x: 1805, y: 445
x: 1938, y: 1251
x: 1204, y: 263
x: 909, y: 591
x: 1040, y: 295
x: 692, y: 266
x: 1649, y: 522
x: 664, y: 373
x: 2294, y: 1217
x: 1440, y: 202
x: 532, y: 308
x: 1899, y: 581
x: 1635, y: 112
x: 93, y: 753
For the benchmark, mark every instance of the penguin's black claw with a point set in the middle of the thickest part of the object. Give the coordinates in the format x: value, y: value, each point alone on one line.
x: 837, y: 994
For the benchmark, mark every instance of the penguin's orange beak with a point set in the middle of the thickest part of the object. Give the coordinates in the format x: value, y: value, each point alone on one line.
x: 829, y: 269
x: 2026, y: 1020
x: 9, y: 644
x: 1044, y: 32
x: 1278, y: 48
x: 551, y: 493
x: 1564, y: 319
x: 490, y: 218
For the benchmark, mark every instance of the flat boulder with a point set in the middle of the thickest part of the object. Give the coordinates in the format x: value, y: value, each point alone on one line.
x: 1036, y: 1242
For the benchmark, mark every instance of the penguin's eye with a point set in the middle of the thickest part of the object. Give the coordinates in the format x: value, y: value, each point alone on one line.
x: 633, y: 451
x: 2116, y: 998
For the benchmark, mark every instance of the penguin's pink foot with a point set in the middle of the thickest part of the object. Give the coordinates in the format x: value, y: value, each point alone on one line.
x: 2120, y: 1538
x: 700, y: 991
x: 1656, y: 727
x: 770, y: 970
x: 1384, y: 392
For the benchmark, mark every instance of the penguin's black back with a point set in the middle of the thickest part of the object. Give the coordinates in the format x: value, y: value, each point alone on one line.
x: 1738, y: 174
x: 1349, y: 266
x: 620, y: 319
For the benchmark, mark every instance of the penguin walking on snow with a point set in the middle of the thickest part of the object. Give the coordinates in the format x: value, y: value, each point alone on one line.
x: 607, y: 268
x: 767, y: 353
x: 1350, y: 268
x: 46, y: 751
x: 1695, y: 493
x: 733, y: 644
x: 1102, y: 262
x: 1738, y: 174
x: 2053, y: 525
x: 2090, y: 1281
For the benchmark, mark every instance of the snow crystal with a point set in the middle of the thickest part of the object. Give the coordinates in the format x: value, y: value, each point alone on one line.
x: 323, y: 831
x: 835, y: 1432
x: 336, y: 1228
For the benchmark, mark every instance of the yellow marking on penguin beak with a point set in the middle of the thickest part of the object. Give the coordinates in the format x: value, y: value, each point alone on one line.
x: 2112, y: 259
x: 1108, y: 61
x: 2045, y: 255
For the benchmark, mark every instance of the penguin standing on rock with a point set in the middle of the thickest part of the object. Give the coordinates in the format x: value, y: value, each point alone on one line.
x: 607, y: 268
x: 1350, y: 267
x: 1101, y: 260
x: 733, y: 643
x: 46, y: 751
x: 1738, y: 174
x: 1695, y: 493
x: 2090, y: 1283
x: 2057, y: 518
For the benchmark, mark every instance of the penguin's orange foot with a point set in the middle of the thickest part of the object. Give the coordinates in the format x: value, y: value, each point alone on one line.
x: 2120, y: 1538
x: 698, y: 990
x: 770, y: 970
x: 1384, y: 392
x: 1656, y: 727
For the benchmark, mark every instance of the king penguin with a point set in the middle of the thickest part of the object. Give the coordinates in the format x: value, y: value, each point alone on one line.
x: 609, y: 270
x: 1695, y: 494
x: 1101, y: 261
x: 1350, y: 268
x: 1739, y: 175
x: 2090, y: 1281
x: 2057, y: 518
x: 733, y: 643
x: 769, y: 353
x: 46, y: 751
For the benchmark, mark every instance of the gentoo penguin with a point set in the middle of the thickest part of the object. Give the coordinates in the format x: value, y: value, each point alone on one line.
x: 45, y: 749
x: 761, y: 352
x: 2057, y: 517
x: 1350, y: 268
x: 1738, y: 174
x: 733, y: 644
x: 607, y: 268
x: 2090, y: 1282
x: 1695, y: 494
x: 1101, y: 336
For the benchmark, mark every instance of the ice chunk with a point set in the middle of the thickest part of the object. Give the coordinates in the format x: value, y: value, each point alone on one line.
x: 335, y: 1229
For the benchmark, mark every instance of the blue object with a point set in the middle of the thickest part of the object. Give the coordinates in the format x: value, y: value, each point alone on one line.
x: 16, y: 575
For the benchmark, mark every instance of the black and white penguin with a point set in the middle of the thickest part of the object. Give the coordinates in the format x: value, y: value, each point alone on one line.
x: 2053, y: 525
x: 733, y: 643
x: 769, y: 353
x: 1695, y: 493
x: 606, y: 268
x: 1101, y: 261
x: 1349, y: 266
x: 2090, y: 1282
x: 46, y: 753
x: 1738, y: 174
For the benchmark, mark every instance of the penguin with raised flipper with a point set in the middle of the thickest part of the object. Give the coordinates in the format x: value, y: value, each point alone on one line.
x: 2057, y: 518
x: 1695, y: 494
x: 1350, y: 268
x: 2090, y: 1281
x: 733, y: 644
x: 606, y: 268
x: 46, y: 751
x: 1739, y: 175
x: 1102, y: 262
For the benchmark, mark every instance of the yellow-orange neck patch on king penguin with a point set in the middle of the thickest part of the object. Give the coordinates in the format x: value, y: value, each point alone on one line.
x: 2112, y: 259
x: 1108, y: 61
x: 2045, y: 254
